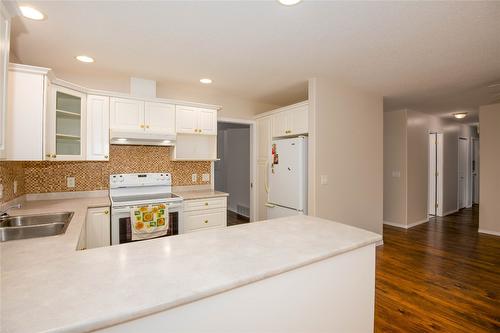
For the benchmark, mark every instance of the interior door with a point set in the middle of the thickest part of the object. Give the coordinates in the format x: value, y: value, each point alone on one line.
x: 159, y: 118
x: 432, y: 174
x: 127, y: 114
x: 475, y: 170
x: 462, y: 172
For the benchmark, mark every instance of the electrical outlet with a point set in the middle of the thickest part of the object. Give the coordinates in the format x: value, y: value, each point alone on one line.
x: 396, y: 174
x: 205, y: 177
x: 70, y: 181
x: 324, y: 179
x: 194, y: 177
x: 15, y: 186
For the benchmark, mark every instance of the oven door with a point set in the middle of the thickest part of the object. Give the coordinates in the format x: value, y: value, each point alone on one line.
x: 121, y: 229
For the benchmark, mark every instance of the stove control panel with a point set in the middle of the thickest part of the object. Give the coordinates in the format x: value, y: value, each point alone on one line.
x: 140, y: 179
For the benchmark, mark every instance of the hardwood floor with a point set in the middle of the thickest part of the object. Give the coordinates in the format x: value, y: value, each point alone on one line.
x: 440, y: 276
x: 234, y: 219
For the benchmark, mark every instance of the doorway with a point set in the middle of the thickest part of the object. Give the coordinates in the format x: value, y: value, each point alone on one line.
x: 232, y: 172
x: 463, y: 172
x: 475, y: 170
x: 435, y: 174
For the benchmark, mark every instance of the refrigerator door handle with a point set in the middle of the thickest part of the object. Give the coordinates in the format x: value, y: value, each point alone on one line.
x: 270, y: 205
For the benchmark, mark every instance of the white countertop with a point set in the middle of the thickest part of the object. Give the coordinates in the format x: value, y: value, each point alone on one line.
x: 200, y: 194
x: 46, y: 285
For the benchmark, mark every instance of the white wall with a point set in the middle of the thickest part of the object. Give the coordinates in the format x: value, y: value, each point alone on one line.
x: 395, y: 126
x: 489, y: 127
x: 232, y: 172
x: 418, y: 127
x: 348, y: 149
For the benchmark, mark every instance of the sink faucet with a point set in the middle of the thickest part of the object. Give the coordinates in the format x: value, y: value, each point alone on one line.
x: 4, y: 211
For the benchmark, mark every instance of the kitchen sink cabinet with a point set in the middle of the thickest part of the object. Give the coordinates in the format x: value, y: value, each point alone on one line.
x: 98, y: 228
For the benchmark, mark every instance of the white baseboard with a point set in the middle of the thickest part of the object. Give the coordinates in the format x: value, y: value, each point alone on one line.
x: 397, y: 225
x: 380, y: 242
x: 450, y: 212
x: 489, y: 232
x: 406, y: 226
x: 66, y: 195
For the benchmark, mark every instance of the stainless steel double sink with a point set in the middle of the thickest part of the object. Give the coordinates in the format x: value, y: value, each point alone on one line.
x: 32, y: 226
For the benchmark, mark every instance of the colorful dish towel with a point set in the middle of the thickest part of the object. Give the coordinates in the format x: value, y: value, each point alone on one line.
x: 149, y: 221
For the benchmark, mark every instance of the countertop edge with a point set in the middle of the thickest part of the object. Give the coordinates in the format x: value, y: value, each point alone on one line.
x: 110, y: 321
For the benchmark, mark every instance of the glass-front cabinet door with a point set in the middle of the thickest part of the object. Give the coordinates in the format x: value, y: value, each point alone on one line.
x: 66, y: 125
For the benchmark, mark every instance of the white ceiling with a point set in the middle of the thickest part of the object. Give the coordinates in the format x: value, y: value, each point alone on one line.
x: 433, y: 56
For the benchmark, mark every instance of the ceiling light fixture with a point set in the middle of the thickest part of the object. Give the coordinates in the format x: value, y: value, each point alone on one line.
x: 84, y: 58
x: 289, y: 2
x: 460, y: 115
x: 31, y: 13
x: 206, y: 81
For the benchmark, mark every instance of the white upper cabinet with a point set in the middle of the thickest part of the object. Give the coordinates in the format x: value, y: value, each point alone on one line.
x: 264, y: 138
x: 4, y: 66
x: 97, y: 128
x: 26, y: 107
x: 132, y: 115
x: 127, y: 114
x: 66, y: 125
x: 193, y: 120
x: 159, y: 118
x: 289, y: 122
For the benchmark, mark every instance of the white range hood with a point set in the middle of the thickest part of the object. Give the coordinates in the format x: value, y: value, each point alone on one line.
x: 118, y: 137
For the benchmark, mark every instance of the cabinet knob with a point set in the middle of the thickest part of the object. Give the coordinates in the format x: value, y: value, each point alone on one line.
x: 196, y: 130
x: 147, y: 126
x: 106, y: 212
x: 206, y: 203
x: 47, y: 155
x: 54, y: 155
x: 106, y: 156
x: 142, y: 125
x: 206, y: 221
x: 199, y: 130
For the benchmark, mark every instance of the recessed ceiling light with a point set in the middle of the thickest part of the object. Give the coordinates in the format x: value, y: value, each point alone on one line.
x: 460, y: 115
x: 206, y: 81
x: 289, y: 2
x: 84, y: 58
x: 31, y: 13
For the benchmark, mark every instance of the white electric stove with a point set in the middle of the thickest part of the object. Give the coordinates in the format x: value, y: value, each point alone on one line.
x: 140, y: 189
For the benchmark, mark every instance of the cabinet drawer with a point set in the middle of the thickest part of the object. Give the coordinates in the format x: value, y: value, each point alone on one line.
x: 204, y: 219
x: 202, y: 204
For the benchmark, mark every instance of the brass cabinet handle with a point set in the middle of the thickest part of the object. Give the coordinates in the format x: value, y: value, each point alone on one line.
x: 147, y: 126
x: 47, y: 155
x: 54, y: 155
x: 206, y: 203
x: 106, y: 212
x: 199, y: 130
x: 142, y: 125
x: 206, y: 221
x: 196, y: 130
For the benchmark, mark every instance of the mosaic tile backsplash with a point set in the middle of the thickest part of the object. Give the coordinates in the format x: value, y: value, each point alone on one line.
x: 47, y: 176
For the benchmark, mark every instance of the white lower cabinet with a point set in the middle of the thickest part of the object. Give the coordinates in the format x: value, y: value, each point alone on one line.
x: 201, y: 214
x: 98, y: 227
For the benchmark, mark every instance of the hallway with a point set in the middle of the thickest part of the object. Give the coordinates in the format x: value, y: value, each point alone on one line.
x: 440, y: 276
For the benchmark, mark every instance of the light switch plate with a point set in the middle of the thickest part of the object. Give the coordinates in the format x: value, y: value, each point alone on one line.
x: 205, y: 177
x: 194, y: 177
x: 70, y: 181
x: 396, y: 174
x: 324, y: 179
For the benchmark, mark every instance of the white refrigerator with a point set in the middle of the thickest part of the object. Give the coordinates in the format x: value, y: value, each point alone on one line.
x: 287, y: 178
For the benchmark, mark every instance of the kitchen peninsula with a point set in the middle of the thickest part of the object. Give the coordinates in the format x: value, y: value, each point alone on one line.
x: 292, y: 274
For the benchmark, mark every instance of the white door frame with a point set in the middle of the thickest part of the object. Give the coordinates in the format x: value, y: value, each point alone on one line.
x: 467, y: 171
x: 253, y: 159
x: 473, y: 155
x: 439, y: 167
